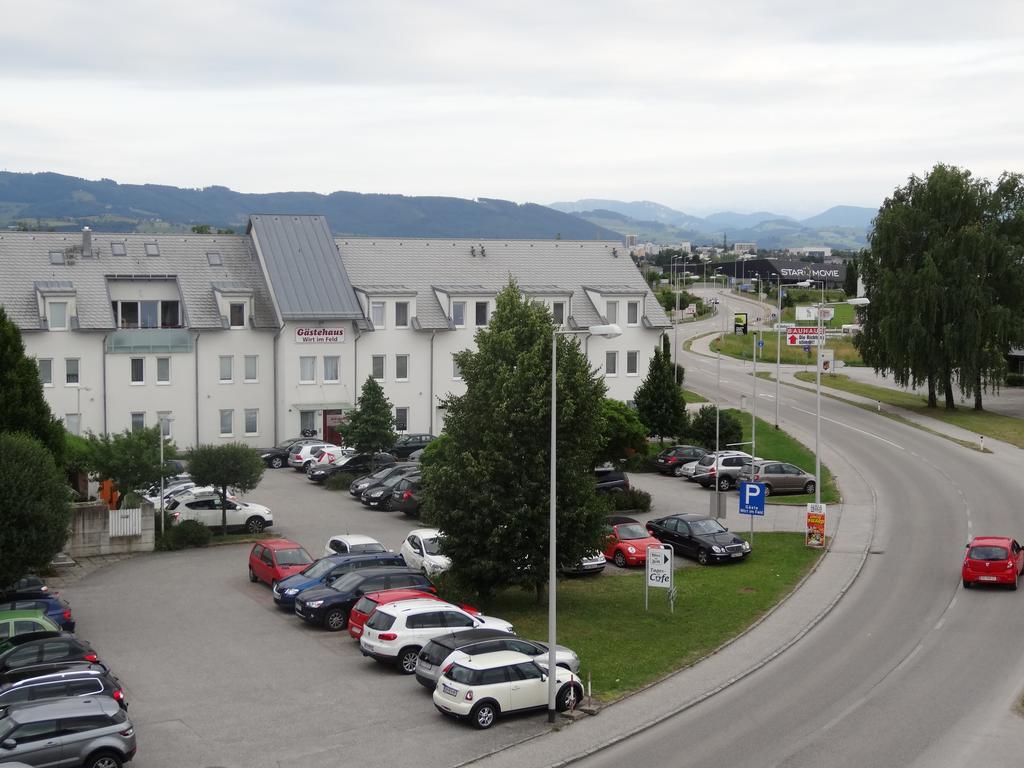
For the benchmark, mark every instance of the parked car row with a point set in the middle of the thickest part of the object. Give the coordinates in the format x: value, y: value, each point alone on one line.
x: 302, y: 453
x: 701, y: 538
x: 727, y: 469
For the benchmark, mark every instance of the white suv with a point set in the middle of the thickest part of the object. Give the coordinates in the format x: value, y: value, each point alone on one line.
x: 397, y: 631
x: 302, y: 457
x: 483, y: 686
x: 722, y: 468
x: 208, y: 510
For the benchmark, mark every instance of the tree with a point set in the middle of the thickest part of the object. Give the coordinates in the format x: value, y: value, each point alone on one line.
x: 201, y: 229
x: 22, y: 406
x: 371, y: 424
x: 34, y: 524
x: 701, y: 429
x: 487, y: 481
x: 623, y: 433
x: 659, y: 399
x: 130, y: 458
x: 850, y: 281
x: 232, y: 465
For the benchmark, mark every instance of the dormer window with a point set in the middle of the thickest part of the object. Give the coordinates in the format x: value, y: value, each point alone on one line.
x: 56, y: 257
x: 118, y: 249
x: 152, y: 249
x: 57, y: 315
x: 612, y: 312
x: 558, y: 312
x: 377, y: 311
x: 214, y: 258
x: 633, y: 313
x: 459, y: 313
x: 236, y: 316
x: 401, y: 314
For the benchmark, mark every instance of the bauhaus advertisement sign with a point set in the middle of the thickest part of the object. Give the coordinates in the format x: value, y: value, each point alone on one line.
x: 319, y: 335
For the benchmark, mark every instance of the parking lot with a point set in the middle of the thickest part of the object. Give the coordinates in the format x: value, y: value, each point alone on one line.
x: 217, y: 676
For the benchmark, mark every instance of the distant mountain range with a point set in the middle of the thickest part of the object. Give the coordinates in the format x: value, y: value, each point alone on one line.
x: 51, y: 200
x: 843, y: 226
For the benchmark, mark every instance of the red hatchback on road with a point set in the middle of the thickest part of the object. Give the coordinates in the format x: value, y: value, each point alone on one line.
x: 276, y: 559
x: 993, y: 560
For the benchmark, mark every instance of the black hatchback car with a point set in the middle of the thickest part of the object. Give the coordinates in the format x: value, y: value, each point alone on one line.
x: 39, y: 653
x: 671, y: 460
x: 406, y: 496
x: 359, y: 463
x: 277, y: 457
x: 329, y: 606
x: 408, y: 444
x: 92, y: 680
x: 702, y: 538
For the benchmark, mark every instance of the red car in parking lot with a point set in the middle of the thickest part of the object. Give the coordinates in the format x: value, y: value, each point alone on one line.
x: 276, y: 559
x: 627, y: 542
x: 993, y: 560
x: 368, y: 603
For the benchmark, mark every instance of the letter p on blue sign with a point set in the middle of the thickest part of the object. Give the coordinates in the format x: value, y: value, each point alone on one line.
x: 752, y: 498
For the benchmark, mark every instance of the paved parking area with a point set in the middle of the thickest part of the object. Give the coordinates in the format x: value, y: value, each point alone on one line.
x: 218, y: 677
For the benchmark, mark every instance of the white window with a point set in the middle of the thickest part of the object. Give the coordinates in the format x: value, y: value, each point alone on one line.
x: 401, y: 314
x: 481, y: 313
x: 401, y: 419
x: 71, y: 371
x: 163, y: 418
x: 73, y: 423
x: 459, y: 314
x: 633, y: 313
x: 307, y: 422
x: 331, y: 368
x: 632, y: 362
x: 377, y: 313
x: 45, y: 371
x: 456, y: 370
x: 226, y: 364
x: 377, y: 367
x: 163, y: 370
x: 402, y: 367
x: 227, y: 422
x: 236, y: 314
x: 611, y: 363
x: 252, y: 421
x: 138, y: 370
x: 138, y: 421
x: 558, y: 312
x: 252, y: 368
x: 611, y: 312
x: 307, y: 370
x: 58, y: 315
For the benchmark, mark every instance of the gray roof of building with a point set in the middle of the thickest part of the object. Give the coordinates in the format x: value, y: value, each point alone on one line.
x: 25, y: 262
x: 554, y: 266
x: 304, y: 268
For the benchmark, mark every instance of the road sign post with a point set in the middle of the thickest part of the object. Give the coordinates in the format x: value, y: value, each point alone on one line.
x: 660, y: 573
x: 752, y: 502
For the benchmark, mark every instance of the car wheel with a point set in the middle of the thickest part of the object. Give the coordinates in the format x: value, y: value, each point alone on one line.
x: 967, y: 584
x: 254, y: 525
x: 306, y: 466
x: 619, y: 559
x: 335, y: 620
x: 104, y: 760
x: 809, y: 487
x: 677, y: 470
x: 724, y: 483
x: 484, y: 714
x: 767, y: 490
x: 276, y: 463
x: 569, y: 697
x: 702, y: 557
x: 252, y: 575
x: 407, y: 659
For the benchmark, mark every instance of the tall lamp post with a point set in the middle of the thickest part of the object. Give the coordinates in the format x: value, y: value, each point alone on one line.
x: 164, y: 419
x: 675, y: 321
x: 609, y: 331
x: 778, y: 350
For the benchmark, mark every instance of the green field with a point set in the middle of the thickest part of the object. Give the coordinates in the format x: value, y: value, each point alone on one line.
x: 741, y: 347
x: 692, y: 397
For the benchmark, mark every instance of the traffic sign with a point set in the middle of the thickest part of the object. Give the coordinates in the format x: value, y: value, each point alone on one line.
x: 752, y: 499
x: 807, y: 348
x: 784, y: 327
x: 760, y: 343
x: 798, y: 336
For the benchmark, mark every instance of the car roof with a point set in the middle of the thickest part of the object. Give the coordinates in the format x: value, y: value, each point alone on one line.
x: 355, y: 538
x: 490, y: 660
x: 690, y: 516
x: 384, y: 570
x: 982, y: 540
x: 23, y: 613
x: 415, y: 605
x: 425, y: 533
x: 280, y: 544
x: 28, y: 637
x: 456, y: 640
x: 92, y: 671
x: 400, y: 593
x: 57, y: 708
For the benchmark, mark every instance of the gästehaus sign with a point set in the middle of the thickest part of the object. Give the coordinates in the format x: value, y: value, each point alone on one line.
x: 802, y: 271
x: 319, y: 335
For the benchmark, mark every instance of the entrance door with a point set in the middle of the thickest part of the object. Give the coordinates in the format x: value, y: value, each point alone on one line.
x: 333, y: 419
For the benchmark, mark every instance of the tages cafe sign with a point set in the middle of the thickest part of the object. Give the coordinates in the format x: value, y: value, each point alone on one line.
x: 319, y: 335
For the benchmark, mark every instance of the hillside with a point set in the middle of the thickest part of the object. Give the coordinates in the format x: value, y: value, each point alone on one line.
x: 52, y: 200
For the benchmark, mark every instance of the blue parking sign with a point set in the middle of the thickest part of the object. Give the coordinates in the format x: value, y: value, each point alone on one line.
x: 752, y: 499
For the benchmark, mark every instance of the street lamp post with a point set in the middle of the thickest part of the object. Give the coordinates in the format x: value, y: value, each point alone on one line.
x: 161, y: 420
x: 675, y: 323
x: 607, y: 331
x: 778, y: 350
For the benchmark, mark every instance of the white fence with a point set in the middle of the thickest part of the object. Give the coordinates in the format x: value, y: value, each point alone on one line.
x: 125, y: 522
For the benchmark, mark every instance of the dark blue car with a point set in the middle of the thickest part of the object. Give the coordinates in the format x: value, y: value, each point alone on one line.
x: 327, y: 569
x: 56, y: 610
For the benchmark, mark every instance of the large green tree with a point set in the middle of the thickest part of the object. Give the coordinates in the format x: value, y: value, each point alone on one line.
x: 659, y: 399
x: 486, y: 483
x: 622, y: 435
x: 371, y: 424
x: 232, y: 465
x: 22, y: 405
x: 130, y: 458
x: 34, y: 517
x: 702, y: 429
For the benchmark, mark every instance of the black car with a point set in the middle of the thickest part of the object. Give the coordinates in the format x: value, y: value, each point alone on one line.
x: 699, y: 537
x: 38, y: 653
x: 327, y: 569
x: 358, y: 463
x: 406, y: 444
x: 610, y: 480
x: 93, y: 680
x: 406, y: 496
x: 379, y: 496
x: 329, y: 606
x: 27, y: 588
x: 365, y: 482
x: 671, y: 460
x: 277, y: 457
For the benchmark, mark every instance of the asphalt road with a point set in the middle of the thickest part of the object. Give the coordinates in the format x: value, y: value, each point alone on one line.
x: 909, y: 669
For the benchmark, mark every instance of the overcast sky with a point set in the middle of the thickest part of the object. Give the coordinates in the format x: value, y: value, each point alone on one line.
x: 780, y: 105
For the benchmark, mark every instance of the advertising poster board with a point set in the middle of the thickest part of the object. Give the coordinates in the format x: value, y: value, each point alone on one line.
x: 815, y: 526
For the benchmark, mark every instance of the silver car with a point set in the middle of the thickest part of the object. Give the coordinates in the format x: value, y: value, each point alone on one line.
x: 93, y: 732
x: 779, y: 477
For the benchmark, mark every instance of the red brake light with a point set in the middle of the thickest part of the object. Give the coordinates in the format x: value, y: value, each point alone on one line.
x: 712, y: 471
x: 118, y: 694
x: 387, y: 636
x: 91, y: 657
x: 67, y: 615
x: 447, y: 669
x: 469, y: 695
x: 127, y: 732
x: 407, y: 495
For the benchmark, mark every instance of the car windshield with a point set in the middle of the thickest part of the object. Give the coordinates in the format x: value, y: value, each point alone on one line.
x: 706, y: 527
x: 365, y: 605
x: 630, y: 531
x: 380, y: 474
x: 367, y: 548
x: 988, y: 553
x: 347, y: 581
x: 707, y: 461
x: 394, y: 480
x: 319, y: 568
x: 432, y: 546
x: 293, y: 557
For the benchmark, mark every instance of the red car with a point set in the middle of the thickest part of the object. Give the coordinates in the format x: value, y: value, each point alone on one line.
x: 368, y: 603
x: 627, y: 544
x: 275, y: 559
x: 993, y: 560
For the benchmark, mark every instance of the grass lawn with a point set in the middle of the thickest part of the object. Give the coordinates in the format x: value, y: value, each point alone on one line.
x: 623, y: 648
x: 996, y: 425
x: 845, y: 314
x: 741, y: 347
x: 692, y: 397
x: 776, y: 444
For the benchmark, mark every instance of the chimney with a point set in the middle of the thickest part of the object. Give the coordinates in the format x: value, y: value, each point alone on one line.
x: 86, y: 242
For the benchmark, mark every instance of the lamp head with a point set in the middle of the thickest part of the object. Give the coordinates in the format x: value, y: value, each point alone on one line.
x: 859, y: 301
x: 609, y: 331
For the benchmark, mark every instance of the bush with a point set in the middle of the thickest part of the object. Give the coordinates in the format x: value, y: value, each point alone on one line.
x: 701, y: 429
x: 340, y: 481
x: 187, y: 533
x: 1015, y: 379
x: 633, y: 499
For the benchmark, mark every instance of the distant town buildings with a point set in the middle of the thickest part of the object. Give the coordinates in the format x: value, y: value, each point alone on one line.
x: 817, y: 251
x: 744, y: 248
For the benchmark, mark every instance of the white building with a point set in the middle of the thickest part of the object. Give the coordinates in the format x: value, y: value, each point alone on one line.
x: 257, y: 337
x: 744, y: 247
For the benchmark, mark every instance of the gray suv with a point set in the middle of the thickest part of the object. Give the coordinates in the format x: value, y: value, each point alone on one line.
x: 93, y: 733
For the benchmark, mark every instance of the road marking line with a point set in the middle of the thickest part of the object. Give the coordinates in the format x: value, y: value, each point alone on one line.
x: 855, y: 429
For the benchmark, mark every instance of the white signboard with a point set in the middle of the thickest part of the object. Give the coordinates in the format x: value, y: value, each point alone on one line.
x: 802, y: 336
x: 659, y: 567
x: 827, y: 360
x: 319, y: 335
x: 811, y: 313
